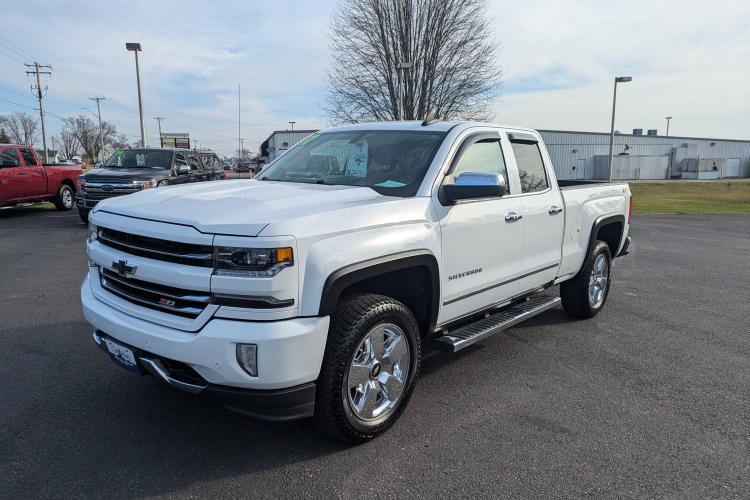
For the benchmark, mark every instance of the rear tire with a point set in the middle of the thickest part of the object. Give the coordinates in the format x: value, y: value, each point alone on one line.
x: 585, y: 295
x: 65, y: 198
x: 373, y: 340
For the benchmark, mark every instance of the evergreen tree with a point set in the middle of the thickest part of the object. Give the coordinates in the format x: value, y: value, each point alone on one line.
x: 4, y: 139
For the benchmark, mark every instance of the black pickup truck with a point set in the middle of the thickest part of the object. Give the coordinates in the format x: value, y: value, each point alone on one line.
x: 131, y: 170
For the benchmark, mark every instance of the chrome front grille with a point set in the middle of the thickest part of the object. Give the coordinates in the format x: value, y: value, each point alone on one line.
x: 114, y: 187
x: 109, y: 180
x: 187, y: 303
x: 158, y: 249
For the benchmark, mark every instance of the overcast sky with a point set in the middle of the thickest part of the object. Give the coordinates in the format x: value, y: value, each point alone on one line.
x: 688, y: 59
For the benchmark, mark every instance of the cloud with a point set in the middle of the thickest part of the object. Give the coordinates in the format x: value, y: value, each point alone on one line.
x: 688, y: 59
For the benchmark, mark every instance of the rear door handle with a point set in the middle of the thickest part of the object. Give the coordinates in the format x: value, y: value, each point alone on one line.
x: 21, y: 173
x: 513, y: 217
x: 555, y: 210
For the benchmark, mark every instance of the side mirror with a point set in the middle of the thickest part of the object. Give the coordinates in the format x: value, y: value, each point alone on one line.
x: 10, y: 163
x: 183, y: 169
x: 471, y: 185
x: 98, y: 165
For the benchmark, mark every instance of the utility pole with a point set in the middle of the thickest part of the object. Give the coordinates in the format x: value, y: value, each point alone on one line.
x: 101, y: 132
x: 242, y: 149
x: 160, y: 118
x: 36, y: 72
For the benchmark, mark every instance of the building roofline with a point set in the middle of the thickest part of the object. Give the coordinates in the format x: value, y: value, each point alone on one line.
x: 643, y: 135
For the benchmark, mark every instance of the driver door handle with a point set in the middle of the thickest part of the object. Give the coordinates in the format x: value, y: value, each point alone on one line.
x: 511, y: 217
x: 555, y: 210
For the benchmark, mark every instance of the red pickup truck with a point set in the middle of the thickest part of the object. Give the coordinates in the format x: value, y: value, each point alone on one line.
x: 24, y: 179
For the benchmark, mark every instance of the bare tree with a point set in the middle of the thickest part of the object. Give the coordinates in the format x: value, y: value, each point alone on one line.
x: 117, y: 142
x: 23, y: 128
x: 86, y: 132
x: 455, y: 73
x: 68, y: 142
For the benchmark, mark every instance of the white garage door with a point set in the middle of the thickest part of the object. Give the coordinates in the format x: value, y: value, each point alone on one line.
x: 733, y: 167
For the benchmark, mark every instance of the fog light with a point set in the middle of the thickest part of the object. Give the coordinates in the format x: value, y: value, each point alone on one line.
x: 247, y: 357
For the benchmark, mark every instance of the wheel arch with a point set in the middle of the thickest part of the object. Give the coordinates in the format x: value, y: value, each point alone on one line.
x: 609, y: 229
x: 412, y: 278
x: 67, y: 182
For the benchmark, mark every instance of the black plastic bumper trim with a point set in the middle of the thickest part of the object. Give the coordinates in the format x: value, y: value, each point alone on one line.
x: 625, y: 247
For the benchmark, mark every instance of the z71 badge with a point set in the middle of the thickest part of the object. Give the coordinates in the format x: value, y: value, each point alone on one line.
x: 467, y: 273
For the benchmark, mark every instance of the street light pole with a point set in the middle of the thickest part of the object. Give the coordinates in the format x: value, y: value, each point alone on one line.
x: 668, y: 118
x: 619, y: 79
x: 401, y: 67
x: 136, y: 47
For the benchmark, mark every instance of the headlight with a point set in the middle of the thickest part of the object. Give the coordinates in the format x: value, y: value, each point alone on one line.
x: 144, y: 185
x: 252, y: 262
x: 93, y: 228
x: 81, y: 184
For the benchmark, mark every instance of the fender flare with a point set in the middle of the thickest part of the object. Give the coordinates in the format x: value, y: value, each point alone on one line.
x: 598, y: 224
x: 338, y: 280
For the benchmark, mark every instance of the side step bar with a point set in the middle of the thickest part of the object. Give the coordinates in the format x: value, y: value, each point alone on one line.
x: 469, y: 334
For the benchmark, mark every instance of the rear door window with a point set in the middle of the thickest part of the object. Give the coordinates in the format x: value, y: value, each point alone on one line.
x: 194, y: 162
x: 530, y: 167
x: 28, y: 156
x: 179, y: 160
x: 9, y: 155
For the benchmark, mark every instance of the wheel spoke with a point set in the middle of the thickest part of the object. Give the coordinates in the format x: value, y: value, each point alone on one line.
x: 358, y: 375
x: 391, y: 384
x: 369, y: 401
x: 377, y: 342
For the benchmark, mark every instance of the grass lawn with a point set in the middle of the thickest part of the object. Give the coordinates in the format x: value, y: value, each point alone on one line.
x: 691, y: 197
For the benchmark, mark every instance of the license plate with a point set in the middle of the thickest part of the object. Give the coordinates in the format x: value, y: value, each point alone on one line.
x: 122, y: 356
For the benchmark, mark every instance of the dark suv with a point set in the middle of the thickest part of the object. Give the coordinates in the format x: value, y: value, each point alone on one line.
x: 131, y: 170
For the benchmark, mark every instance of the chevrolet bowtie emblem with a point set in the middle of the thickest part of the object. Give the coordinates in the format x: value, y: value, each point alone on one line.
x: 123, y: 268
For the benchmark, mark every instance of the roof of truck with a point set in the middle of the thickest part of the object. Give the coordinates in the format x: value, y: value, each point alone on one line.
x: 416, y: 126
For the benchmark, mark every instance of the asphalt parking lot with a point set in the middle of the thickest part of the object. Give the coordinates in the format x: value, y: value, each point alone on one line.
x: 647, y: 400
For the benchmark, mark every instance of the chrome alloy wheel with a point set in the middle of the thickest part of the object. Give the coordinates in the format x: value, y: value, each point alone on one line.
x: 598, y: 281
x: 67, y: 198
x: 379, y: 371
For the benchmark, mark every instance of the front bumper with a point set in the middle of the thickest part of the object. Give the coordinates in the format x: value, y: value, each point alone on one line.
x: 290, y: 354
x: 280, y: 404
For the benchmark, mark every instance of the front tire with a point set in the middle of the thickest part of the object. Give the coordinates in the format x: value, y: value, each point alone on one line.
x: 369, y: 367
x: 65, y: 198
x: 84, y: 214
x: 585, y: 295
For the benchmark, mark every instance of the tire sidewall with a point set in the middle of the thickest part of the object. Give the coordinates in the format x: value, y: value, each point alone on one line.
x: 411, y: 332
x: 60, y: 198
x: 600, y: 249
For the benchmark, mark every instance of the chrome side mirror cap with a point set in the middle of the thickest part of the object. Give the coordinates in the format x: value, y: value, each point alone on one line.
x: 471, y: 185
x: 183, y: 169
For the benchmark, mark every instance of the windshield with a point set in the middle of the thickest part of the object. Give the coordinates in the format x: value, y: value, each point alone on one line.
x: 391, y: 163
x: 139, y: 158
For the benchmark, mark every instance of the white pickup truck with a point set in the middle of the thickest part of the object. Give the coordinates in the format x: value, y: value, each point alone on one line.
x: 310, y: 290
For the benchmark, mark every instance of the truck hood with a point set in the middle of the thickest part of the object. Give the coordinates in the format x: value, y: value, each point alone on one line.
x: 240, y: 208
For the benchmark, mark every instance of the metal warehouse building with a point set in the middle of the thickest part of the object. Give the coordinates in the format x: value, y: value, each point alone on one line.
x: 279, y: 141
x: 585, y: 155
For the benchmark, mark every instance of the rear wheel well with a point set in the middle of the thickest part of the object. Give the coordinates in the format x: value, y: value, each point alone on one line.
x: 611, y: 234
x: 67, y: 182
